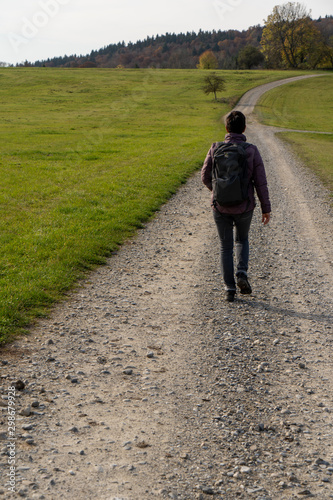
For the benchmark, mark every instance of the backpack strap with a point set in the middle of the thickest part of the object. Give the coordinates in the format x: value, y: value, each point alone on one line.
x: 217, y: 145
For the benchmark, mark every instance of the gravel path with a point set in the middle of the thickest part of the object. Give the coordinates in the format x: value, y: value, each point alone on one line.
x: 147, y: 384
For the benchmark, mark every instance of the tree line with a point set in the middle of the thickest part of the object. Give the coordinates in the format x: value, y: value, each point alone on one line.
x: 289, y: 39
x: 166, y: 51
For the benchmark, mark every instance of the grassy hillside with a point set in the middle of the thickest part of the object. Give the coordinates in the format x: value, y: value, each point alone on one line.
x: 87, y: 156
x: 304, y: 105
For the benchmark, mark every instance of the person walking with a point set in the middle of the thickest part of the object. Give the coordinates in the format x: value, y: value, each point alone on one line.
x: 237, y: 218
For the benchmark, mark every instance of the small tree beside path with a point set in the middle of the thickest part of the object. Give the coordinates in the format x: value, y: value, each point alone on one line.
x: 212, y: 84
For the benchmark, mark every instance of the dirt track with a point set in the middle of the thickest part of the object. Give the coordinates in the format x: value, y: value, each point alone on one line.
x: 147, y: 384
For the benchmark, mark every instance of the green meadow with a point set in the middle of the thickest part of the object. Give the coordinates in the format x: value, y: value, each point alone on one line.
x: 304, y: 105
x: 87, y: 156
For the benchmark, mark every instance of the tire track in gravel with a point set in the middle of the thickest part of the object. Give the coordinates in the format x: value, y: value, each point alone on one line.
x: 147, y: 384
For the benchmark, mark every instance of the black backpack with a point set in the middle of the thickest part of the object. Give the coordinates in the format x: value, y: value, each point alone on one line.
x: 229, y: 173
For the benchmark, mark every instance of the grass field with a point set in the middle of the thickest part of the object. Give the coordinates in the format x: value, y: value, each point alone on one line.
x: 87, y: 156
x: 305, y: 105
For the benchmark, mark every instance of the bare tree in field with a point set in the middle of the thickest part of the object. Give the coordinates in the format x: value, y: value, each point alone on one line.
x: 213, y: 84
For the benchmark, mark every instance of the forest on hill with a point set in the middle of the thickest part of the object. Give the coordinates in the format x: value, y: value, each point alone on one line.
x: 231, y: 49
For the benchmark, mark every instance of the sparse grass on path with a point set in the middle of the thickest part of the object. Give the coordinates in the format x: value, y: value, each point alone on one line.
x: 87, y: 156
x: 304, y: 105
x: 315, y: 151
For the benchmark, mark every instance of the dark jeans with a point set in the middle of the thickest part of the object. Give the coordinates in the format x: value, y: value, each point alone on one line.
x: 225, y: 226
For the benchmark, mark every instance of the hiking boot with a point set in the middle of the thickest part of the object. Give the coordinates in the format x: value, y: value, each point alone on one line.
x: 230, y: 297
x: 243, y: 284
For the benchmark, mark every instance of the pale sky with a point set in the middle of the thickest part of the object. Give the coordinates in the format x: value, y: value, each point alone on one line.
x: 40, y: 29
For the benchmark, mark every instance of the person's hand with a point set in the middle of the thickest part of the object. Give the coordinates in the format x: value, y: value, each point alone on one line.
x: 266, y: 218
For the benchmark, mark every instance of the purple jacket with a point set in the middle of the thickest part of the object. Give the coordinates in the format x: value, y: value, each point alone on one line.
x: 257, y: 177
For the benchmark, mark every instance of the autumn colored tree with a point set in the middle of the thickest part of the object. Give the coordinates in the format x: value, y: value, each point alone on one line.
x: 213, y: 84
x: 207, y: 60
x: 290, y: 37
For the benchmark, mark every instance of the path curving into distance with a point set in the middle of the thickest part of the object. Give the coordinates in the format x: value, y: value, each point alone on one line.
x: 248, y: 101
x: 147, y: 384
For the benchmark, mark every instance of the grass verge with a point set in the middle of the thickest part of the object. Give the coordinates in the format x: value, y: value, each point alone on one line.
x: 304, y: 105
x: 316, y: 152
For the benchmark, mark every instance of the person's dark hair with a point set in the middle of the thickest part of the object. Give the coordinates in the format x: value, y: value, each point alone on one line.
x: 235, y: 122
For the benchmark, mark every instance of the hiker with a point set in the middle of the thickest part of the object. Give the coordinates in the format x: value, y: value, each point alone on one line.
x: 237, y: 214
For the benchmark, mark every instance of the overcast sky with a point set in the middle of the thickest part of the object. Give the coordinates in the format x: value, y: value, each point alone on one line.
x: 38, y: 29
